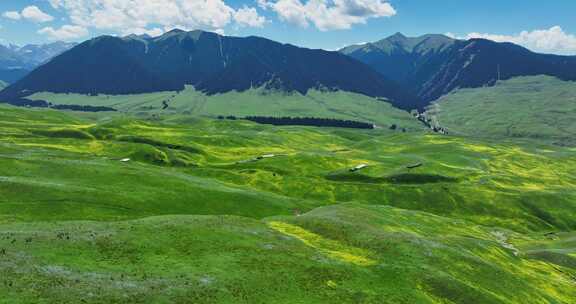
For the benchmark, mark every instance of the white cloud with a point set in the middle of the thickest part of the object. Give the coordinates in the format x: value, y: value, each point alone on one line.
x: 66, y: 32
x: 329, y: 14
x: 248, y: 16
x: 291, y: 11
x: 33, y: 13
x: 155, y: 15
x: 12, y: 15
x: 553, y: 40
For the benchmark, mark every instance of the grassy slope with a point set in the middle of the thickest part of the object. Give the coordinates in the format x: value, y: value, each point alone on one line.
x: 52, y: 162
x: 539, y: 107
x: 341, y: 105
x: 346, y: 253
x: 58, y: 170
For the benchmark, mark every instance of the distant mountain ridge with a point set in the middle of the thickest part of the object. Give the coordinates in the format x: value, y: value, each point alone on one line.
x: 210, y: 62
x: 434, y: 65
x: 35, y: 54
x: 16, y: 61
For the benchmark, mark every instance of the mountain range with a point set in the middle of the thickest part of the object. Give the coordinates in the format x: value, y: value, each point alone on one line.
x: 409, y: 72
x: 210, y: 62
x: 434, y: 65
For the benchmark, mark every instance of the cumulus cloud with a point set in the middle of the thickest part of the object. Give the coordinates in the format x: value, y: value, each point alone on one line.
x: 553, y: 40
x: 66, y: 32
x: 248, y: 16
x: 328, y: 15
x: 153, y: 16
x: 12, y: 15
x: 31, y: 13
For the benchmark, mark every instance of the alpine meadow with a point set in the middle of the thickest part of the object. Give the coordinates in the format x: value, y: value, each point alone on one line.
x: 210, y: 151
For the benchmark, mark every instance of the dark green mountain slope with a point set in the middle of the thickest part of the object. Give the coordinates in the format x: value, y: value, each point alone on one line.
x: 99, y: 65
x: 434, y: 65
x: 210, y: 62
x: 401, y: 58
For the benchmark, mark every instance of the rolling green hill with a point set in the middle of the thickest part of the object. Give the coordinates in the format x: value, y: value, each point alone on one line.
x: 347, y: 253
x: 538, y: 107
x: 58, y: 165
x: 111, y: 208
x: 256, y: 102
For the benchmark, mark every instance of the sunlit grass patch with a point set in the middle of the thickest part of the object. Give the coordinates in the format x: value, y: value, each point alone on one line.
x: 438, y: 139
x: 68, y: 148
x: 330, y: 248
x: 480, y: 148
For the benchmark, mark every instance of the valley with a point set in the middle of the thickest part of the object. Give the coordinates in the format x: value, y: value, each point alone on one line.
x: 422, y: 169
x: 254, y: 102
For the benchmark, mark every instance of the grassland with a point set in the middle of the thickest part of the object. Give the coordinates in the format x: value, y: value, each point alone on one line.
x: 346, y: 253
x: 254, y: 102
x: 537, y: 107
x: 195, y: 217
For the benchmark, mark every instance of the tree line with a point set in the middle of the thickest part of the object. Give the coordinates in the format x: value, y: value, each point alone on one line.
x: 22, y: 102
x: 305, y: 121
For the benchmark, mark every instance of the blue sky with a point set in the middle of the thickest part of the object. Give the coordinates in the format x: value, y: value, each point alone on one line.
x: 545, y: 26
